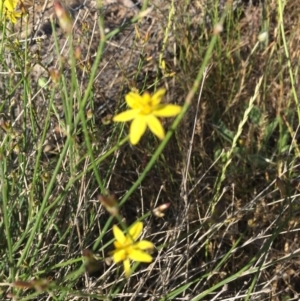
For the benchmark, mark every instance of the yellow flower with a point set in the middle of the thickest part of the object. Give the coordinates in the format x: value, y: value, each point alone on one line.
x: 144, y: 110
x: 9, y: 9
x: 127, y: 249
x: 10, y: 5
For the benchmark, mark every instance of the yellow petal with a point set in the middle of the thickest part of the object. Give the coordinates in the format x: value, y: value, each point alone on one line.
x: 137, y: 129
x: 118, y: 245
x: 13, y: 17
x: 10, y: 5
x: 155, y: 126
x: 126, y: 116
x: 146, y: 98
x: 134, y: 100
x: 127, y: 268
x: 157, y: 96
x: 167, y: 111
x: 140, y: 256
x: 119, y: 255
x: 135, y: 230
x: 119, y: 235
x: 144, y: 245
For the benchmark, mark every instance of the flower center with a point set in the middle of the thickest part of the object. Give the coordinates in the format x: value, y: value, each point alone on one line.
x: 146, y: 109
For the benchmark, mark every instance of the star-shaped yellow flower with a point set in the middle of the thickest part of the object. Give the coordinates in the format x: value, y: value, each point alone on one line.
x: 127, y: 249
x: 9, y: 9
x: 144, y: 110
